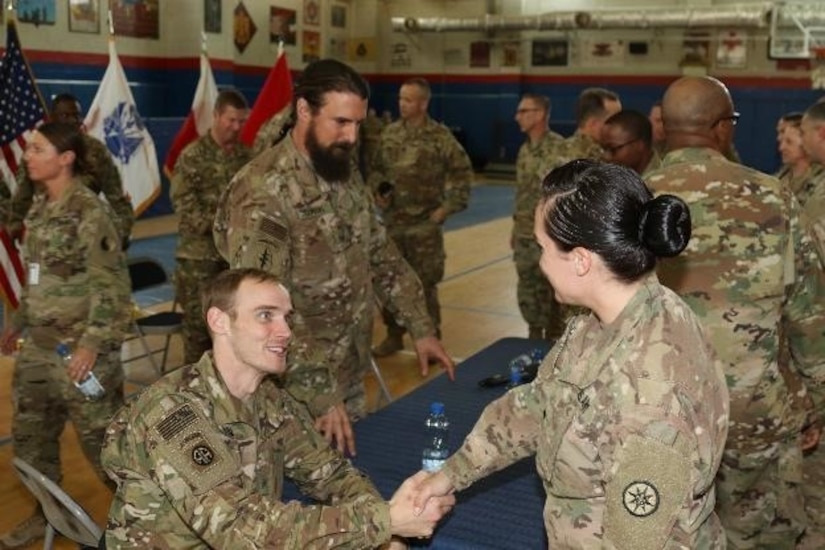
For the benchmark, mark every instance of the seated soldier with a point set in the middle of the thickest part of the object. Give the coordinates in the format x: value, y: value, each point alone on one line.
x: 200, y: 457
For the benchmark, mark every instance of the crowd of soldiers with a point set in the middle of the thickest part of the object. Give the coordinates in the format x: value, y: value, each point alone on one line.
x: 300, y: 205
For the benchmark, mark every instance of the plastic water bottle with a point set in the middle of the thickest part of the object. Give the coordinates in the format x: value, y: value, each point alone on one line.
x: 436, y: 449
x: 90, y: 386
x: 520, y: 364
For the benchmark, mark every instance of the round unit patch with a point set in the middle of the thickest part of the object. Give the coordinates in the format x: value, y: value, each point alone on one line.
x: 640, y: 498
x: 203, y: 455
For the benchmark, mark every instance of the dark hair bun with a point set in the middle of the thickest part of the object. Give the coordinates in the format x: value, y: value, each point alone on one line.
x: 665, y: 225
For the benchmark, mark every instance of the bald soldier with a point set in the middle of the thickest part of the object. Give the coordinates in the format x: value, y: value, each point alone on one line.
x: 751, y: 275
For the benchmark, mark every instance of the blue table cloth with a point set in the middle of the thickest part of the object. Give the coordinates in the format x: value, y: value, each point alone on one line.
x: 503, y: 511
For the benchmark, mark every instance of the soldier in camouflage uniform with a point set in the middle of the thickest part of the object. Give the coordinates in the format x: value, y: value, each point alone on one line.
x: 797, y: 166
x: 202, y: 172
x: 102, y: 176
x: 369, y: 139
x: 809, y: 189
x: 77, y: 293
x: 536, y: 302
x: 200, y: 457
x: 627, y: 139
x: 431, y: 175
x: 273, y: 130
x: 628, y: 415
x: 593, y: 107
x: 811, y: 195
x: 299, y: 210
x: 751, y: 275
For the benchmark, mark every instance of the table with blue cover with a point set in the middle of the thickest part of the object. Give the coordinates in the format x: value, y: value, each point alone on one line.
x: 502, y: 511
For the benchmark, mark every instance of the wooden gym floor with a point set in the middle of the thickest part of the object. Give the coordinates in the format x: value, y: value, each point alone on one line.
x: 478, y: 300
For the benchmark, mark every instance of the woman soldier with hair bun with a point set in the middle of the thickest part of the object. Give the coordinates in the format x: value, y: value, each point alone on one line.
x: 628, y: 414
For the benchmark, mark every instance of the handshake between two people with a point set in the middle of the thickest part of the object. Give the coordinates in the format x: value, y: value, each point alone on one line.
x: 418, y: 505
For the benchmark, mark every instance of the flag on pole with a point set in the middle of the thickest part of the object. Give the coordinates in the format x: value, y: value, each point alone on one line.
x: 274, y: 96
x: 113, y: 118
x: 200, y: 116
x: 21, y: 110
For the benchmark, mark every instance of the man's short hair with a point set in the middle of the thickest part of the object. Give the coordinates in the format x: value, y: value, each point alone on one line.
x: 636, y: 124
x: 591, y: 103
x: 422, y: 84
x: 220, y: 292
x: 63, y: 98
x: 816, y: 112
x: 232, y: 98
x: 328, y: 75
x: 793, y: 118
x: 542, y: 101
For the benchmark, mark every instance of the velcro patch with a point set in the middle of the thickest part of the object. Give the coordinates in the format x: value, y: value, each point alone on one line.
x: 193, y: 446
x: 177, y: 421
x: 273, y: 229
x: 647, y: 492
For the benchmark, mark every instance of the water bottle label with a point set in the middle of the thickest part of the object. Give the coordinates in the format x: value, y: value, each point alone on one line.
x: 90, y: 387
x: 432, y: 464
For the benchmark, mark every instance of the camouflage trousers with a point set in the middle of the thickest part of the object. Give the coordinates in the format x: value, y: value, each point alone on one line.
x: 44, y: 399
x: 545, y: 317
x: 759, y: 497
x: 813, y: 475
x: 190, y: 278
x: 422, y: 245
x: 351, y: 381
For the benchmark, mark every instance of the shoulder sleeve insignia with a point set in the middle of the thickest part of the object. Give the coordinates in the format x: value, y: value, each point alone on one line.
x: 194, y: 448
x: 640, y: 498
x: 651, y: 485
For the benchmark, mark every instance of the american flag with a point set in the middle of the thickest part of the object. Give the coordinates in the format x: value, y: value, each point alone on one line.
x: 21, y: 110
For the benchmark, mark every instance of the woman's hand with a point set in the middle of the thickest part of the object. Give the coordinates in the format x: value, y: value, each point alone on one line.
x: 82, y: 363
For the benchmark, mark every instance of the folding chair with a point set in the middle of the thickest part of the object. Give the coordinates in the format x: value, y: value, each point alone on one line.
x: 147, y: 273
x: 63, y: 514
x: 384, y: 389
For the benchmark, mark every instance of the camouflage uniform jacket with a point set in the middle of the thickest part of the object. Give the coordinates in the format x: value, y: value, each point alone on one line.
x: 324, y: 241
x: 528, y: 180
x: 196, y: 467
x: 202, y: 172
x: 78, y: 285
x: 810, y: 192
x: 428, y: 168
x: 580, y: 146
x: 750, y: 273
x: 272, y: 131
x: 104, y: 178
x: 625, y: 419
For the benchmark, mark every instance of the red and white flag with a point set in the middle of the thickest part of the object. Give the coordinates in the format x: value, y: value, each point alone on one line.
x: 21, y: 110
x: 200, y: 116
x: 274, y: 96
x: 113, y: 118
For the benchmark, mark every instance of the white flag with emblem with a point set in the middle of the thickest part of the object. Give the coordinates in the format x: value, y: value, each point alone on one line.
x: 113, y: 119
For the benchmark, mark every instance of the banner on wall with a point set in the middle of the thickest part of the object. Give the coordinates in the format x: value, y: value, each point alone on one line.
x: 601, y: 53
x: 480, y: 54
x: 21, y: 110
x: 732, y: 50
x: 311, y: 46
x: 199, y: 120
x: 361, y: 49
x: 275, y: 94
x: 113, y: 118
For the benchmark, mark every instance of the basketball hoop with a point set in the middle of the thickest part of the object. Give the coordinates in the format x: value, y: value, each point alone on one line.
x: 818, y: 66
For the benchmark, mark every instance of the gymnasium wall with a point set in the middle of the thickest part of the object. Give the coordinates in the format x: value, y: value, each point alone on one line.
x: 475, y: 91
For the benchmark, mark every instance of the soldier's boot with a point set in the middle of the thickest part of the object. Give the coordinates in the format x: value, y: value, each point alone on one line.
x: 394, y: 342
x: 26, y: 533
x: 535, y: 333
